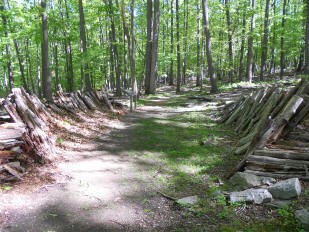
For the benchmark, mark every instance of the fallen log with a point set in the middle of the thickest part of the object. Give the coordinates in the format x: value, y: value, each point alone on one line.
x: 282, y: 154
x: 287, y: 97
x: 11, y: 133
x: 280, y: 121
x: 263, y: 160
x: 7, y: 155
x: 9, y: 143
x: 274, y: 175
x: 12, y: 171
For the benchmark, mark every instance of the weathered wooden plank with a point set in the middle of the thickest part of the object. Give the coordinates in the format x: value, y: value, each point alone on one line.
x: 273, y: 132
x: 283, y: 154
x: 274, y: 175
x: 11, y: 133
x: 271, y: 160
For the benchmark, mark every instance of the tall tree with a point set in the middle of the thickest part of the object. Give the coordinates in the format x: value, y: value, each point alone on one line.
x: 250, y: 44
x: 242, y: 46
x: 152, y: 53
x: 7, y: 46
x: 83, y: 45
x: 148, y: 46
x: 154, y: 50
x: 230, y: 49
x: 46, y: 80
x: 185, y: 43
x: 127, y: 33
x: 282, y: 52
x: 306, y: 68
x: 171, y: 73
x: 198, y: 47
x: 178, y: 48
x: 274, y: 42
x: 264, y: 41
x: 68, y: 53
x: 211, y: 73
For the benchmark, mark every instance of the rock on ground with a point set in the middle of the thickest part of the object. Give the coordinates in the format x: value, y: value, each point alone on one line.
x: 281, y: 204
x: 188, y: 200
x: 241, y: 181
x: 286, y: 189
x: 257, y: 196
x: 302, y: 216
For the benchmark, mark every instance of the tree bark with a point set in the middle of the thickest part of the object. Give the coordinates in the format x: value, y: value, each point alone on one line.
x: 198, y: 49
x: 84, y: 46
x: 8, y: 48
x: 306, y: 68
x: 46, y: 80
x: 265, y: 41
x: 154, y: 50
x: 21, y: 66
x: 250, y: 45
x: 211, y: 73
x: 242, y: 47
x: 185, y: 43
x: 148, y: 47
x: 171, y: 74
x: 274, y: 39
x: 130, y: 43
x: 230, y: 49
x: 282, y: 52
x: 178, y: 49
x: 68, y: 48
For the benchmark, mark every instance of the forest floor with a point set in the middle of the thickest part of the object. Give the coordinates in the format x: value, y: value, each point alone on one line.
x: 111, y: 173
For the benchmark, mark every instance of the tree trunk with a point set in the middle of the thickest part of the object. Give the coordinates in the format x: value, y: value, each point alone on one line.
x: 115, y: 49
x: 178, y: 48
x: 39, y: 71
x: 306, y: 68
x: 274, y: 39
x: 148, y: 47
x: 171, y: 74
x: 198, y: 52
x: 230, y: 49
x: 8, y: 48
x: 282, y: 53
x: 84, y: 46
x: 211, y: 73
x: 250, y: 45
x: 264, y: 41
x: 21, y: 66
x: 29, y: 66
x: 154, y: 50
x: 242, y: 47
x: 46, y: 80
x: 68, y: 48
x: 185, y: 44
x: 130, y: 43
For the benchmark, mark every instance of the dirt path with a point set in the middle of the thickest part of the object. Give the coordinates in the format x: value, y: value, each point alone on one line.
x: 106, y: 187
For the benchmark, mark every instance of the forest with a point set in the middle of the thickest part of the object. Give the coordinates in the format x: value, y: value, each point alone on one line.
x: 218, y: 137
x: 87, y: 45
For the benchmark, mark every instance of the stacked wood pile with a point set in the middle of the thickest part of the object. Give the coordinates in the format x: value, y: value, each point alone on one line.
x: 24, y: 126
x: 268, y: 121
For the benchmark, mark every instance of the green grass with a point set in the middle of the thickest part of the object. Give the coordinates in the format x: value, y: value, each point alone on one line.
x: 181, y: 166
x: 174, y: 143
